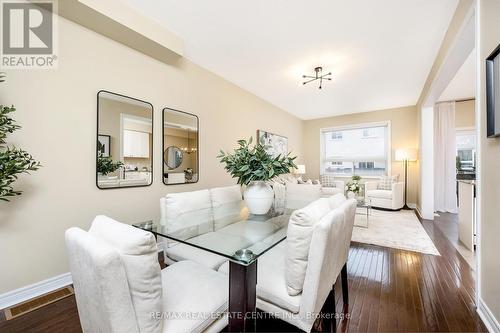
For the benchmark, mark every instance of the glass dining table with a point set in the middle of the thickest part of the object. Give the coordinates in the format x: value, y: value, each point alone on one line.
x: 231, y: 232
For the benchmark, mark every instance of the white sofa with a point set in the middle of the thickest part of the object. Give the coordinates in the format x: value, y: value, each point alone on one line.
x: 298, y: 194
x: 392, y: 199
x: 119, y: 286
x: 203, y: 216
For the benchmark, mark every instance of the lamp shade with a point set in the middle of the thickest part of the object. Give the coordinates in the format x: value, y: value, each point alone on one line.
x: 301, y: 169
x: 406, y: 154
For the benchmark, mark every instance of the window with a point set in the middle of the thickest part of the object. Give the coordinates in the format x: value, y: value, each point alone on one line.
x: 466, y: 150
x: 336, y: 135
x: 370, y: 133
x: 357, y: 150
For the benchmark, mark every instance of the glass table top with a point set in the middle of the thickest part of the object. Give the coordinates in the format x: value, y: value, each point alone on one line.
x: 228, y: 230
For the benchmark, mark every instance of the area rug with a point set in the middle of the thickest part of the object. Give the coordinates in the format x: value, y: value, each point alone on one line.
x: 400, y: 230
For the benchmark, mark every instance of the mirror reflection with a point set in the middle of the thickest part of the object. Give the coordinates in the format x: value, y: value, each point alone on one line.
x: 124, y: 141
x: 180, y: 147
x: 173, y: 157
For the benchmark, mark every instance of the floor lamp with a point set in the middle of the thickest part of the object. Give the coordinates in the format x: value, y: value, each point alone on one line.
x: 405, y: 156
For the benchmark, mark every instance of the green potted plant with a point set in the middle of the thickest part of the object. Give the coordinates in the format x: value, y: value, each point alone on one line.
x: 353, y: 186
x: 458, y: 163
x: 253, y: 166
x: 13, y: 161
x: 106, y: 165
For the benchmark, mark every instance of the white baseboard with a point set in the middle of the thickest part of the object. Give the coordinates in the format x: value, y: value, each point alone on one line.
x: 36, y: 289
x: 419, y: 213
x: 488, y: 318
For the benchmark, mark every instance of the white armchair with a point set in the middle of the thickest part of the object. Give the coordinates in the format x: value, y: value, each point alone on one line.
x: 388, y: 199
x: 119, y: 286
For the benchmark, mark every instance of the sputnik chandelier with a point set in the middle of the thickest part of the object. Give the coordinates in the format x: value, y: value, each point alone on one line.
x: 317, y: 76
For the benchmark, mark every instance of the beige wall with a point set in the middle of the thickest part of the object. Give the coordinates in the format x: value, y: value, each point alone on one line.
x: 57, y: 109
x: 403, y: 135
x: 465, y: 114
x: 489, y: 189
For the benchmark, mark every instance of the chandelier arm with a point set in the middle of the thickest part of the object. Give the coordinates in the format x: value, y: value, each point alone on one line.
x: 311, y: 80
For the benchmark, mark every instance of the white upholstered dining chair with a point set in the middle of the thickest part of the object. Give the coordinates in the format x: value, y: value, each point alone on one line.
x: 297, y: 296
x: 119, y: 286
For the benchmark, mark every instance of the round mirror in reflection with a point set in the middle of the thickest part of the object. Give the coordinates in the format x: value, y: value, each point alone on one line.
x: 173, y: 157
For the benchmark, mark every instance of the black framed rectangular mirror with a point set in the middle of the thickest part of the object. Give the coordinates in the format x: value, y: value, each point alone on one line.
x: 124, y: 155
x: 180, y: 147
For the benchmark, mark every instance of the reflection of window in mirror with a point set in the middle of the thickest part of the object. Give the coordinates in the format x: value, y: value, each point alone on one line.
x: 180, y: 147
x: 125, y: 141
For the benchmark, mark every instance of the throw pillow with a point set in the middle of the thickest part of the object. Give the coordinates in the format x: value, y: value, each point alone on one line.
x: 304, y: 182
x: 386, y: 182
x: 287, y: 179
x: 327, y: 181
x: 316, y: 182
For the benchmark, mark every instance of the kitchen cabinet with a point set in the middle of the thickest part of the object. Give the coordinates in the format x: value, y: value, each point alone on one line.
x: 135, y: 144
x: 466, y: 213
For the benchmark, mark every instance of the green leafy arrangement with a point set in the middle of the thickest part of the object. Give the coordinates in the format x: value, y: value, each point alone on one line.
x: 253, y: 163
x: 106, y: 165
x: 13, y: 161
x: 354, y: 185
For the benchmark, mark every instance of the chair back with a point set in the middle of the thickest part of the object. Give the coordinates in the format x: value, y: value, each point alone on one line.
x: 186, y: 214
x: 349, y: 208
x: 227, y: 205
x: 116, y: 265
x: 327, y: 255
x: 101, y: 288
x: 299, y: 195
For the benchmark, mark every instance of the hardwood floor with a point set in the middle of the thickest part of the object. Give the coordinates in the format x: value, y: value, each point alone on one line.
x: 448, y: 224
x: 390, y: 290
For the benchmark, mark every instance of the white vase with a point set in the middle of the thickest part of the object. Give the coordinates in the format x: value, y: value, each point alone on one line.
x: 351, y: 195
x: 258, y: 197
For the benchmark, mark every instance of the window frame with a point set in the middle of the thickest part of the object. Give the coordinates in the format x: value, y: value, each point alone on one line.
x: 386, y: 123
x: 468, y: 130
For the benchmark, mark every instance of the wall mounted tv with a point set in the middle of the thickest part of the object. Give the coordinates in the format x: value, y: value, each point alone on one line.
x: 493, y: 94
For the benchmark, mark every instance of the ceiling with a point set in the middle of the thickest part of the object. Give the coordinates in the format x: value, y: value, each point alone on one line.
x: 463, y: 85
x: 380, y: 52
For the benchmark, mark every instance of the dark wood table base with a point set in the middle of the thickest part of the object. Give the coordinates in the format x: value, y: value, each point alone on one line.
x: 242, y: 297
